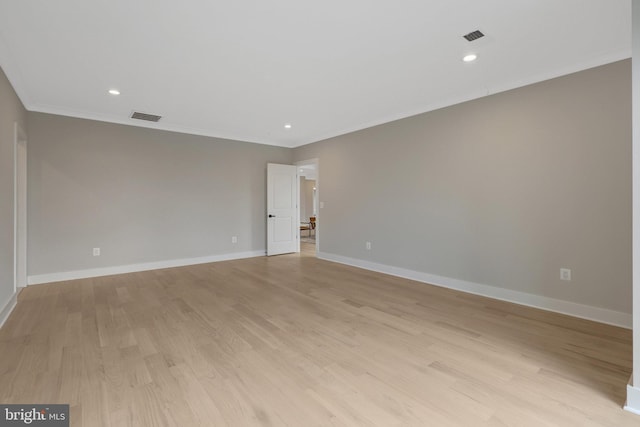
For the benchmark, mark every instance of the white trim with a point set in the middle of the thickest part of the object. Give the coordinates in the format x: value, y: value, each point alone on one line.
x: 132, y: 268
x: 597, y: 314
x: 8, y: 308
x: 633, y: 399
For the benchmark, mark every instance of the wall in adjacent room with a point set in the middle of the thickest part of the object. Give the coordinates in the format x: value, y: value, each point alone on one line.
x: 494, y: 195
x: 306, y: 199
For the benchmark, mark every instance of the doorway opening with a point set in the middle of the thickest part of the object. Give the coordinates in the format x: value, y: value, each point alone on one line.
x: 309, y: 206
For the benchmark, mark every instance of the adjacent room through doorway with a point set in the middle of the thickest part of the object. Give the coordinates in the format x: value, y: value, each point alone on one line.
x: 308, y: 205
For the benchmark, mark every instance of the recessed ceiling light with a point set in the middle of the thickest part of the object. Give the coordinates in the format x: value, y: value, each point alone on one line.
x: 287, y: 126
x: 114, y: 91
x: 470, y: 58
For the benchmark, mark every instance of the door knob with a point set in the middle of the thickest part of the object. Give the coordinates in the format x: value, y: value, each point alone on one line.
x: 271, y: 216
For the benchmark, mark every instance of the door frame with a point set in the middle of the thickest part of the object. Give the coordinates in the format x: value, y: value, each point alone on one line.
x: 314, y: 161
x: 19, y: 207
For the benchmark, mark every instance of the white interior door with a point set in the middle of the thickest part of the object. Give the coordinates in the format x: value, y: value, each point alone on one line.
x: 282, y: 218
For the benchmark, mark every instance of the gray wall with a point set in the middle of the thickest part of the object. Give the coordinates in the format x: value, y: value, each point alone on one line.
x: 11, y: 111
x: 140, y: 195
x: 503, y: 190
x: 633, y: 391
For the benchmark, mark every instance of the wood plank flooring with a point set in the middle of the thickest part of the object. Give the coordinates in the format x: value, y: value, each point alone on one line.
x: 296, y: 341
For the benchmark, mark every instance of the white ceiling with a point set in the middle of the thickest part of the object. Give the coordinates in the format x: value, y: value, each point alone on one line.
x: 242, y: 69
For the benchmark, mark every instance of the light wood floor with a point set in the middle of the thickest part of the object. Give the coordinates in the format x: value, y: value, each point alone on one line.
x: 292, y: 340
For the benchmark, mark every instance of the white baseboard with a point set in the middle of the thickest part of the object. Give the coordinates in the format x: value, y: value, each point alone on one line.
x: 633, y: 399
x: 132, y: 268
x: 8, y: 308
x: 597, y: 314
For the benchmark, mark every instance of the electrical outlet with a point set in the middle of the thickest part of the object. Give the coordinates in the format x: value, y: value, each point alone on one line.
x: 565, y: 274
x: 368, y: 246
x: 234, y: 239
x: 321, y: 205
x: 96, y: 251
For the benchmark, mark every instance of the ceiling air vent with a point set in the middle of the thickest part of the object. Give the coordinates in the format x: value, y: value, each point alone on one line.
x: 474, y: 35
x: 145, y: 116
